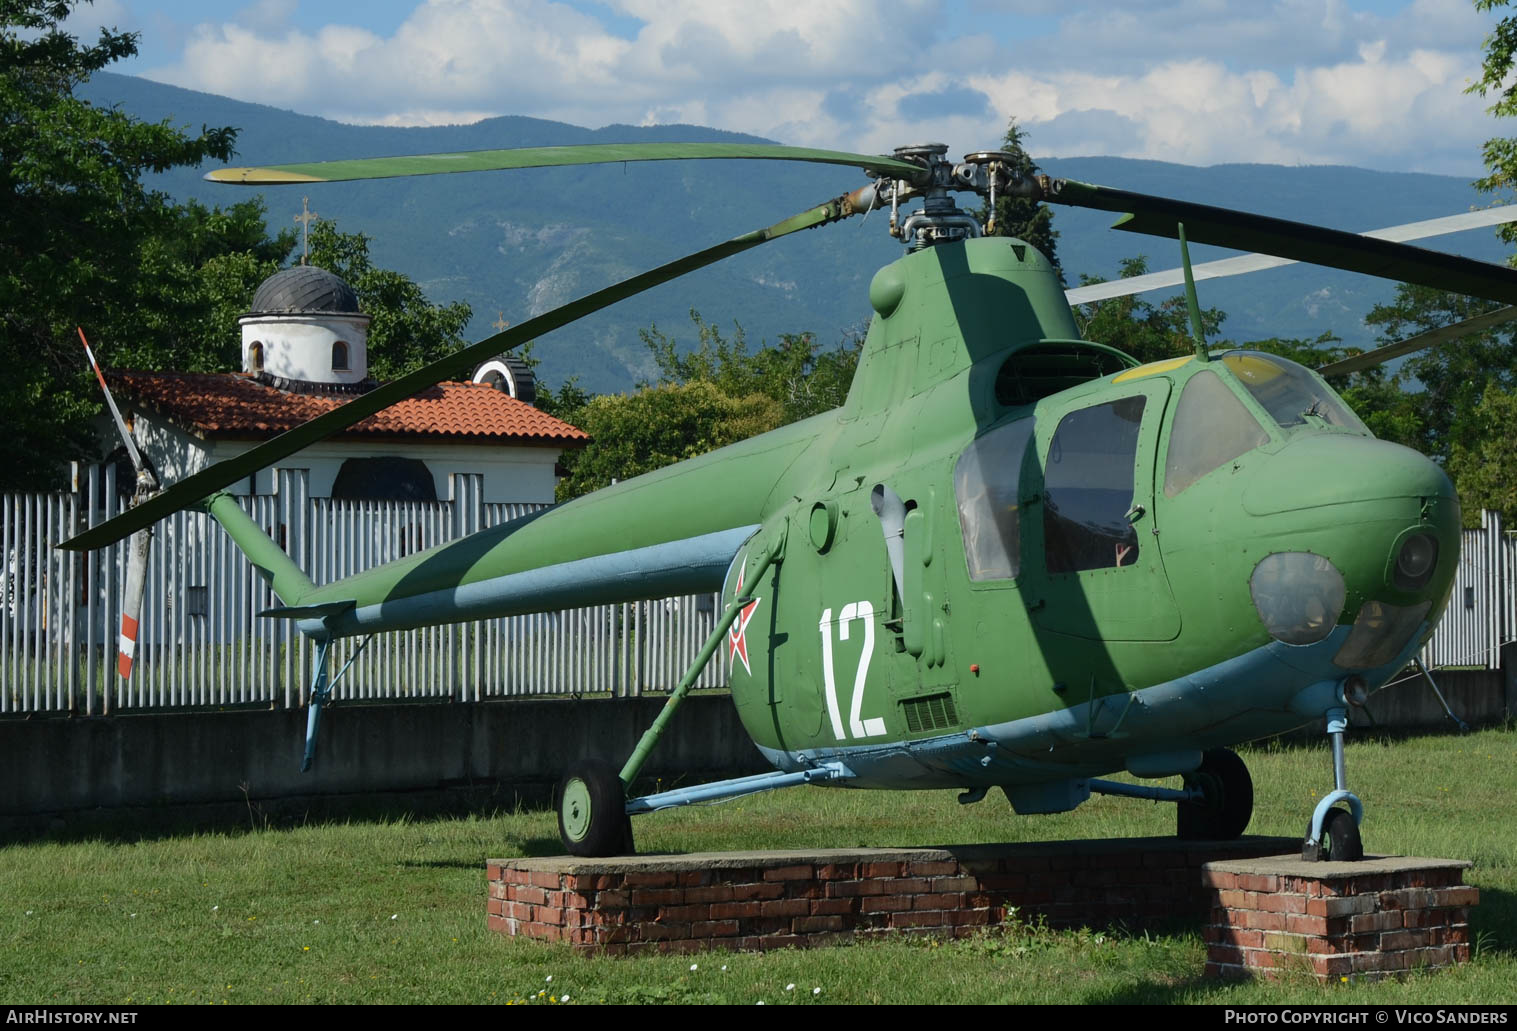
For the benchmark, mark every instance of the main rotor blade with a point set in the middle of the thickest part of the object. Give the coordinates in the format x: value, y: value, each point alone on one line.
x: 1158, y: 216
x: 1441, y: 335
x: 1257, y: 262
x: 541, y: 157
x: 206, y: 482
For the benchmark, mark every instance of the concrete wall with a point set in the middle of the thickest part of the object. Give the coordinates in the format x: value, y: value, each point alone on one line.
x: 52, y: 769
x: 1477, y: 696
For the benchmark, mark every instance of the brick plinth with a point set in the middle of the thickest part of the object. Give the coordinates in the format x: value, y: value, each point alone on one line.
x: 763, y: 900
x: 1384, y: 915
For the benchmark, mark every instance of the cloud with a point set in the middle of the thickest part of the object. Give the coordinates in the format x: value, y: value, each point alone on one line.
x: 955, y: 100
x: 266, y: 16
x: 1308, y: 81
x: 85, y: 22
x: 1409, y: 112
x: 1097, y: 132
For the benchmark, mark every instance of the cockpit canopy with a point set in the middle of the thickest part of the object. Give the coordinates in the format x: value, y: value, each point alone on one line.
x: 1290, y: 393
x: 1240, y: 401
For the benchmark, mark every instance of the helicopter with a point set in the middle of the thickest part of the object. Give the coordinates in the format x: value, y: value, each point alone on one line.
x: 1013, y: 558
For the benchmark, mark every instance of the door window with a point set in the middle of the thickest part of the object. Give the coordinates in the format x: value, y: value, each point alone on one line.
x: 1088, y: 488
x: 985, y: 482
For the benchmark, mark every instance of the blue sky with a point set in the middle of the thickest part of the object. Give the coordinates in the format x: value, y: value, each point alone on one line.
x: 1375, y: 83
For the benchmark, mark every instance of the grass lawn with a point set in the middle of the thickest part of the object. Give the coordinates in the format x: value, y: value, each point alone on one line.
x: 394, y: 911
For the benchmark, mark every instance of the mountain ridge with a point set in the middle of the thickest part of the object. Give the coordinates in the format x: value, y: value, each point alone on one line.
x: 519, y: 243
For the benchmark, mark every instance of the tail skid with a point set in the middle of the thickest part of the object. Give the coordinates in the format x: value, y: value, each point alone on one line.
x: 292, y: 586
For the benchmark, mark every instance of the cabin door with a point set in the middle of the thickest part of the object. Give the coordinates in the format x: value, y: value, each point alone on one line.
x: 1091, y: 550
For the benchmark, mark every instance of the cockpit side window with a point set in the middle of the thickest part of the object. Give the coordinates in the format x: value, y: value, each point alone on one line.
x: 1211, y: 426
x: 1289, y: 392
x: 1088, y: 488
x: 986, y: 481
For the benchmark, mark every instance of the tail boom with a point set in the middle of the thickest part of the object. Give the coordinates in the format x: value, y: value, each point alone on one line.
x: 288, y: 580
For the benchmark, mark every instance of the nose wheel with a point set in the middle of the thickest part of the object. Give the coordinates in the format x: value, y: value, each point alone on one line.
x: 1340, y: 837
x: 1333, y: 834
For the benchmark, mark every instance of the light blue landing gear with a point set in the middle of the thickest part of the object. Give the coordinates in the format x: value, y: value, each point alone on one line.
x: 593, y: 810
x: 1215, y: 805
x: 721, y: 790
x: 321, y: 690
x: 1333, y: 835
x: 593, y: 807
x: 1221, y: 799
x: 321, y: 694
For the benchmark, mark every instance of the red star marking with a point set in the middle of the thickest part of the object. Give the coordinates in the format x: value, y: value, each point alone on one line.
x: 737, y: 640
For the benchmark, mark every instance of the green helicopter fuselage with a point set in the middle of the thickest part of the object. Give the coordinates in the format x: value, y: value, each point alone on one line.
x: 1012, y: 557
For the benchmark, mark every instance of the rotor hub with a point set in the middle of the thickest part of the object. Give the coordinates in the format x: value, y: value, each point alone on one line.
x: 940, y: 220
x: 987, y: 173
x: 921, y: 150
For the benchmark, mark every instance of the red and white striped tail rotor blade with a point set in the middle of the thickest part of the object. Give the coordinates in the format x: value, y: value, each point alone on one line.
x: 126, y: 436
x: 141, y: 542
x: 131, y: 600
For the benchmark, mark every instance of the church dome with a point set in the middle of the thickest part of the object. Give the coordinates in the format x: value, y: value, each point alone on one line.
x: 304, y: 288
x: 305, y: 333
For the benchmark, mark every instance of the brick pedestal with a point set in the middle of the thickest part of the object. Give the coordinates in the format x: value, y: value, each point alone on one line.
x: 763, y: 900
x: 1381, y: 916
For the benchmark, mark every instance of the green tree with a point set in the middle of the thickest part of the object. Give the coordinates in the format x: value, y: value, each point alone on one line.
x: 1482, y: 461
x: 1444, y: 385
x: 804, y: 378
x: 81, y: 239
x: 1496, y: 78
x: 1465, y: 406
x: 204, y: 269
x: 705, y: 397
x: 407, y: 331
x: 1148, y: 332
x: 657, y: 426
x: 1020, y: 217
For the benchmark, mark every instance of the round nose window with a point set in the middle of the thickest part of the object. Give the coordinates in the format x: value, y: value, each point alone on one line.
x: 1298, y: 596
x: 1415, y: 561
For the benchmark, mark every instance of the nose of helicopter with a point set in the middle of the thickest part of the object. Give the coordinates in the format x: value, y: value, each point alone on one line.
x: 1339, y: 468
x: 1362, y: 531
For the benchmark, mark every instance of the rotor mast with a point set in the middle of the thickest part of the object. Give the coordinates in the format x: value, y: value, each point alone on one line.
x: 987, y: 173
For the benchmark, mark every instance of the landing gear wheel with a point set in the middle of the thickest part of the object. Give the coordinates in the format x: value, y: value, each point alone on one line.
x: 1229, y: 802
x: 1340, y: 838
x: 592, y: 814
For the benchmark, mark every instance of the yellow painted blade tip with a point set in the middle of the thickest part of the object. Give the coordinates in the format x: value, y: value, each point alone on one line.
x: 259, y: 176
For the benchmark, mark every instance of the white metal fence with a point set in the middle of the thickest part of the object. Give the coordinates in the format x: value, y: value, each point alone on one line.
x: 1482, y: 610
x: 202, y: 644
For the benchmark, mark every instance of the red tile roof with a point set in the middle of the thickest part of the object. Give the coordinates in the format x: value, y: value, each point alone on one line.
x: 234, y: 404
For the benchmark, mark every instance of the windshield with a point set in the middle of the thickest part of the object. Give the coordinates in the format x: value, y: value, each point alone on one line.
x: 1291, y: 394
x: 1211, y: 427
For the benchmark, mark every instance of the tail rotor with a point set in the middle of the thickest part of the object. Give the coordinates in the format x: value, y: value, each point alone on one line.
x: 141, y: 542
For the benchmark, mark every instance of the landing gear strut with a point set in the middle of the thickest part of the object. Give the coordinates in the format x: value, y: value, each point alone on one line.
x: 593, y: 807
x: 1228, y: 803
x: 1333, y: 834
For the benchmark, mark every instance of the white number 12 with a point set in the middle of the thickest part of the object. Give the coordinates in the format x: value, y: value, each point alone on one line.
x: 861, y: 727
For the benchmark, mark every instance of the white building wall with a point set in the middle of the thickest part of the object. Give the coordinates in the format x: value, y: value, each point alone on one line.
x: 299, y: 346
x: 512, y: 474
